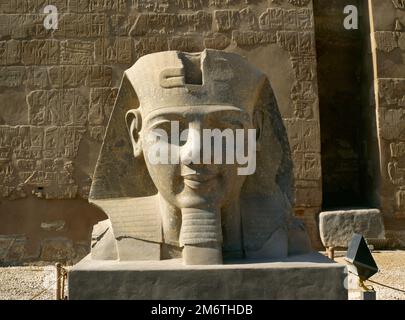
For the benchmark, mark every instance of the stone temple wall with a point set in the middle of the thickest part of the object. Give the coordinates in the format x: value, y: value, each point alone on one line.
x: 388, y: 44
x: 57, y: 89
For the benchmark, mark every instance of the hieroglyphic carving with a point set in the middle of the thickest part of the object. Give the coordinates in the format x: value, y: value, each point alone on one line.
x: 77, y: 52
x: 391, y: 127
x: 38, y: 156
x: 226, y: 20
x: 7, y: 172
x: 392, y: 124
x: 391, y: 92
x: 389, y: 41
x: 114, y: 51
x: 68, y: 76
x: 305, y: 19
x: 248, y: 19
x: 297, y: 43
x: 99, y: 5
x: 154, y: 23
x: 57, y: 107
x: 223, y: 3
x: 282, y: 19
x: 62, y: 142
x: 304, y: 67
x: 397, y: 149
x: 290, y: 19
x: 386, y: 40
x: 121, y: 24
x: 186, y: 43
x: 217, y: 41
x: 36, y: 78
x: 396, y: 172
x: 400, y: 199
x: 299, y: 3
x: 40, y: 52
x: 304, y: 97
x: 5, y: 28
x: 271, y: 19
x: 306, y: 43
x: 253, y: 38
x: 76, y: 76
x: 303, y: 135
x: 97, y: 133
x: 81, y: 26
x: 101, y: 105
x: 11, y: 76
x: 19, y: 26
x: 399, y: 4
x: 31, y: 6
x: 99, y: 76
x: 153, y: 5
x: 152, y: 44
x: 10, y: 52
x: 288, y: 40
x: 307, y: 166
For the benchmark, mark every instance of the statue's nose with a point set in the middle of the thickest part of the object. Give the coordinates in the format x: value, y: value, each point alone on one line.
x: 190, y: 152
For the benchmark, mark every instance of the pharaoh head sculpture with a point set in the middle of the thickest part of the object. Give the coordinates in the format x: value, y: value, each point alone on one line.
x: 195, y: 164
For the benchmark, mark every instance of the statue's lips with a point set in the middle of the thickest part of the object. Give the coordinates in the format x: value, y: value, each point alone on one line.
x: 195, y: 180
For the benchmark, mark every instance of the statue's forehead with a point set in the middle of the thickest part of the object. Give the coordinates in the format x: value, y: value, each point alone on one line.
x: 198, y: 110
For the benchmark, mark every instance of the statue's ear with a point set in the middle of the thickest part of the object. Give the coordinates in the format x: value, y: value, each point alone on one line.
x: 134, y: 124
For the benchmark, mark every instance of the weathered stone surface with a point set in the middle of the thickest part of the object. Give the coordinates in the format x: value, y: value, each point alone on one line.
x: 12, y: 249
x: 85, y: 26
x: 337, y: 227
x: 388, y: 20
x: 5, y: 244
x: 308, y: 277
x: 208, y: 210
x: 57, y: 249
x: 103, y: 246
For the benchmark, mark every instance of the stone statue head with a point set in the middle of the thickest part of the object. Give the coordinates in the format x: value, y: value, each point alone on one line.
x: 195, y: 162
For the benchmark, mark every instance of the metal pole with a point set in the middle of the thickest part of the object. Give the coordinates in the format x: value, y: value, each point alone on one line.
x: 59, y: 271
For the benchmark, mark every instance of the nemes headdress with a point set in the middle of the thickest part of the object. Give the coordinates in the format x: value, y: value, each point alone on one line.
x: 175, y: 79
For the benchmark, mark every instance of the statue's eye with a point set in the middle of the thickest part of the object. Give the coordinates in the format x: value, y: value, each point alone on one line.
x: 170, y: 130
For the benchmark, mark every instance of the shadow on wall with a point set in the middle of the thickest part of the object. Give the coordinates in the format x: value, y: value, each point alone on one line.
x: 350, y: 158
x: 43, y: 231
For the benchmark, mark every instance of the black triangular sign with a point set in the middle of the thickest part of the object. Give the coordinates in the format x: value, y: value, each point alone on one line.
x: 360, y: 256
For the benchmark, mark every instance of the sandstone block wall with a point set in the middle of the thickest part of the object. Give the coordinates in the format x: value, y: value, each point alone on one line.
x: 388, y: 43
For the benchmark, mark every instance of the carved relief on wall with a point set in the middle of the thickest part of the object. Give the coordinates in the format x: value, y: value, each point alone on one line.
x: 67, y: 78
x: 391, y: 115
x: 399, y: 4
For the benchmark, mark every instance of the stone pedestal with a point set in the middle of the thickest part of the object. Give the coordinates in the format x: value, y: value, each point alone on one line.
x: 338, y: 227
x: 310, y: 276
